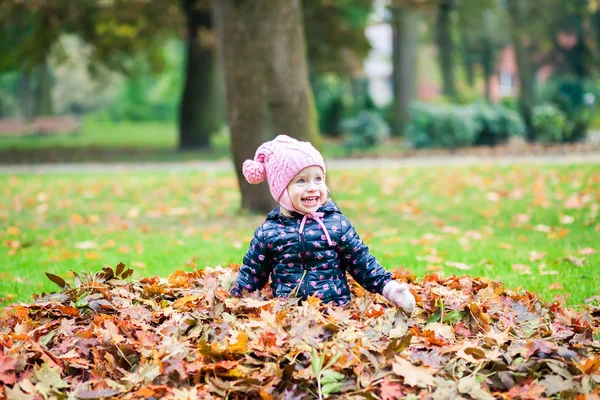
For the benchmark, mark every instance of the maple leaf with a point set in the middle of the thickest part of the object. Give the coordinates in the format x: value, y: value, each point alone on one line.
x: 49, y: 380
x: 241, y: 345
x: 412, y: 374
x: 389, y: 390
x: 7, y: 364
x: 590, y: 366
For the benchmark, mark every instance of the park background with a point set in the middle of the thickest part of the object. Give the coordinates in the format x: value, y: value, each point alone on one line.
x: 189, y: 89
x: 461, y: 139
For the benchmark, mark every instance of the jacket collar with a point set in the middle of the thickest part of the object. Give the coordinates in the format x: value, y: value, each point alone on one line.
x: 327, y: 208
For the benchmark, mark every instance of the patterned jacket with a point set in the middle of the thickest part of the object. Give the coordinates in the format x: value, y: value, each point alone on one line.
x: 305, y: 262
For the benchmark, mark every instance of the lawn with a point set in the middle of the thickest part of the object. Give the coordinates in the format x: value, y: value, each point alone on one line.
x: 108, y: 141
x: 534, y: 227
x: 144, y: 141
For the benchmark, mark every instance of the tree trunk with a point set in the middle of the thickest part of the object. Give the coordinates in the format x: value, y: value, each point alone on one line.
x: 404, y: 54
x: 487, y: 61
x: 199, y: 115
x: 266, y: 78
x: 26, y: 96
x: 467, y: 57
x: 445, y: 46
x: 525, y: 65
x: 45, y: 88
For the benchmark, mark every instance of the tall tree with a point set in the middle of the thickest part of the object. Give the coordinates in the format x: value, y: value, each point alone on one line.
x: 405, y: 20
x: 115, y: 31
x: 335, y: 34
x: 199, y: 115
x: 446, y: 48
x: 523, y: 43
x: 269, y: 93
x: 482, y: 28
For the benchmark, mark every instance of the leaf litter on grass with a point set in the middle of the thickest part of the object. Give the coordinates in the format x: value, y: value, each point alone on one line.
x: 185, y: 337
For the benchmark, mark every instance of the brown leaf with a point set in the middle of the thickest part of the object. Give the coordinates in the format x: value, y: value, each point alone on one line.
x: 412, y: 374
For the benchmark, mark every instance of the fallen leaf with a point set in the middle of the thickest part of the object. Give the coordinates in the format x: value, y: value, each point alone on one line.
x: 458, y: 265
x: 412, y: 374
x: 389, y: 390
x: 7, y: 367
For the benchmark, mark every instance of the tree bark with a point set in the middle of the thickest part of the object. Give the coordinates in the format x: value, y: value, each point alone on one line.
x: 467, y: 53
x: 487, y: 61
x: 26, y: 96
x: 199, y: 115
x: 45, y: 87
x: 404, y: 54
x: 266, y: 79
x: 445, y: 46
x: 525, y: 65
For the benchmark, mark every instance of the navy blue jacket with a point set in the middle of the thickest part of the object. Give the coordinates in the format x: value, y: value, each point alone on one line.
x: 306, y: 261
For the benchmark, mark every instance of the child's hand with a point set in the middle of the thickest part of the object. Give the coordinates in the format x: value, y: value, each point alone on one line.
x: 399, y: 294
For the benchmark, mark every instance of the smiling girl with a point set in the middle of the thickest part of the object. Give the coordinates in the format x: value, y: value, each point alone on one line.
x: 306, y: 245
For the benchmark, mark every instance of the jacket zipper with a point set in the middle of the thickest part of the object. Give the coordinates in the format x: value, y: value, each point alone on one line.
x: 304, y: 267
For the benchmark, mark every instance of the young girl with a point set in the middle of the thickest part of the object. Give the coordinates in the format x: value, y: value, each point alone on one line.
x: 306, y: 244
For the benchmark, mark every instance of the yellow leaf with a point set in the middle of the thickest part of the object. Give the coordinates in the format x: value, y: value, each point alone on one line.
x: 241, y: 346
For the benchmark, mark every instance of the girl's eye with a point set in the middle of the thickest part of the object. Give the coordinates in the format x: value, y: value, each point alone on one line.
x: 300, y: 180
x: 319, y: 179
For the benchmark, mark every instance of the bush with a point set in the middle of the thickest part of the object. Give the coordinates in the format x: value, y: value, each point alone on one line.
x: 550, y: 124
x: 453, y: 126
x: 497, y: 124
x: 365, y: 130
x: 575, y: 98
x: 333, y: 97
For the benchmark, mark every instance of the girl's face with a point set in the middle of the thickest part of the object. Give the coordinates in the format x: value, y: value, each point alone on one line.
x: 308, y: 190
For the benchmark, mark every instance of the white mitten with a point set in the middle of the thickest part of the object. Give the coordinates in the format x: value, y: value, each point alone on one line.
x: 399, y: 294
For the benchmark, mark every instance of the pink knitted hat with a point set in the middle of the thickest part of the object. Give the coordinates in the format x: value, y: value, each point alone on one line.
x: 279, y: 160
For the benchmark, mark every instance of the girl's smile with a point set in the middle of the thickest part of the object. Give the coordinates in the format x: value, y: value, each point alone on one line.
x: 308, y: 190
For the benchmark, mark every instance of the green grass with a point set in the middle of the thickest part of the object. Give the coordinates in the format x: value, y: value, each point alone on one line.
x: 103, y: 134
x: 142, y: 141
x: 491, y: 219
x: 107, y: 141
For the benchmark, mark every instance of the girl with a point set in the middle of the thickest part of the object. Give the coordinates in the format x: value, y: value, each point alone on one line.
x: 306, y: 244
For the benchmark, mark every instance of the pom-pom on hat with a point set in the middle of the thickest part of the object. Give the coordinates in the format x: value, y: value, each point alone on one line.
x: 279, y: 160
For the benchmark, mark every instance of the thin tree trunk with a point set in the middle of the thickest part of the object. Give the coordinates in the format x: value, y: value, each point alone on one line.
x: 45, y: 88
x: 525, y: 65
x: 445, y: 46
x: 487, y: 61
x: 467, y: 57
x: 199, y: 115
x: 266, y: 78
x: 404, y: 54
x: 26, y: 96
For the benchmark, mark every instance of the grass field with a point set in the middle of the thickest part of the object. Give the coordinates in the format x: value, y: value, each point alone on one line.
x: 142, y: 141
x: 535, y: 227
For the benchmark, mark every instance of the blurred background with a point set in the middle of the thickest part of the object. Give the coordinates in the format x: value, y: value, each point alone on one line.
x: 152, y: 80
x: 121, y: 123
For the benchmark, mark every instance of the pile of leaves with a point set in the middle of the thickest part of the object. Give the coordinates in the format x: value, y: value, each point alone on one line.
x: 186, y: 337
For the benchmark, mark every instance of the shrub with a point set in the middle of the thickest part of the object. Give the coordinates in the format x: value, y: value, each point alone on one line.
x: 570, y: 95
x: 453, y: 126
x: 497, y: 124
x: 367, y: 129
x: 550, y: 123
